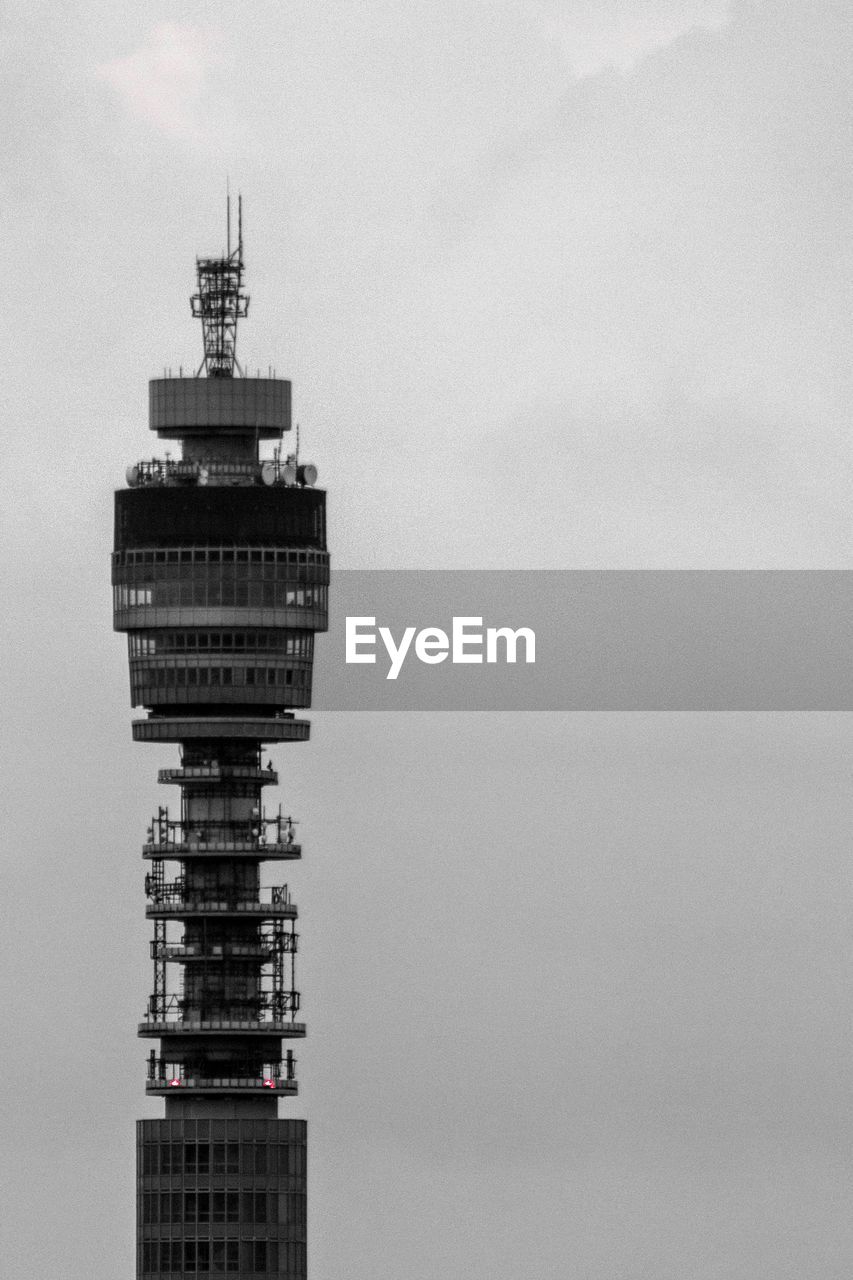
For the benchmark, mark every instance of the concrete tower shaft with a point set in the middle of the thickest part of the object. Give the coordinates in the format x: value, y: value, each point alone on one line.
x: 220, y: 578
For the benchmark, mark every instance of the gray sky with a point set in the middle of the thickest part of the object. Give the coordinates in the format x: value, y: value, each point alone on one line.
x: 558, y: 284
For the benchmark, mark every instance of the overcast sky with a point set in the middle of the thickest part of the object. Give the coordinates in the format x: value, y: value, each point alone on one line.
x: 559, y: 284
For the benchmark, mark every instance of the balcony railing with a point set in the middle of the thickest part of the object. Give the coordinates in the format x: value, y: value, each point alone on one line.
x: 171, y: 898
x: 216, y: 1084
x: 265, y: 949
x: 267, y: 1006
x: 164, y: 1073
x: 216, y: 772
x: 166, y: 835
x: 223, y: 1026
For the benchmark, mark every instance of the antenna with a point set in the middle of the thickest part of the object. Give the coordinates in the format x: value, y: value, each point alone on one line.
x: 220, y: 301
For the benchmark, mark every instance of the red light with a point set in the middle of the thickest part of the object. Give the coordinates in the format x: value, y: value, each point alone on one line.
x: 174, y: 1084
x: 269, y: 1084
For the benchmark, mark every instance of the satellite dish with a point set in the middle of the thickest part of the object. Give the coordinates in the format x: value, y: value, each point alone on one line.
x: 288, y: 473
x: 202, y: 475
x: 307, y: 474
x: 268, y: 472
x: 132, y: 476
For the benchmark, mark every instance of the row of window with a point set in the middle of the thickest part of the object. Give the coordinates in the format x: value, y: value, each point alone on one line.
x: 218, y: 594
x: 201, y: 1159
x: 182, y: 677
x: 295, y: 644
x: 219, y: 1256
x: 203, y: 1130
x: 259, y: 1207
x: 220, y: 572
x: 219, y: 555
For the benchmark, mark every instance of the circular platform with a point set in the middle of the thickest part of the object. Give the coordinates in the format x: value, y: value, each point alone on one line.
x: 251, y: 728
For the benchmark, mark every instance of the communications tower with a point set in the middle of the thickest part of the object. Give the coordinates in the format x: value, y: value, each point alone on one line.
x: 220, y: 576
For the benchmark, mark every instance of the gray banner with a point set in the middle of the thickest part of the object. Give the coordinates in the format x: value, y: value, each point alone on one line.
x: 604, y: 640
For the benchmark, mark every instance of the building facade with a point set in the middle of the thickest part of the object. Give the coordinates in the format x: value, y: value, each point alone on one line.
x: 220, y: 576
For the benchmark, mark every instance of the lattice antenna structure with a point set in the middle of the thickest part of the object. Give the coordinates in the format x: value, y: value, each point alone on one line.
x: 220, y: 303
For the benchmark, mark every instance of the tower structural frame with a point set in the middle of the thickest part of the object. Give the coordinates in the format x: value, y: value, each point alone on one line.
x: 220, y: 575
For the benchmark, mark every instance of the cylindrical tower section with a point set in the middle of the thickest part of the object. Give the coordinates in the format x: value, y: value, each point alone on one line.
x: 220, y: 576
x: 221, y: 1195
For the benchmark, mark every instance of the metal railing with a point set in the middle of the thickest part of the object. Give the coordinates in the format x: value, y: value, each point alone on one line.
x: 166, y: 833
x: 282, y: 1070
x: 167, y: 471
x: 268, y: 1006
x: 172, y: 896
x: 215, y: 772
x: 266, y: 948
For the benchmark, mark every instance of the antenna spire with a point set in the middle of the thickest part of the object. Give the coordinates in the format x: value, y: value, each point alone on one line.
x: 220, y: 302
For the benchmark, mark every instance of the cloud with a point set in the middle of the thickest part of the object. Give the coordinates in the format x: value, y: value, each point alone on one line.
x: 616, y: 35
x: 166, y: 81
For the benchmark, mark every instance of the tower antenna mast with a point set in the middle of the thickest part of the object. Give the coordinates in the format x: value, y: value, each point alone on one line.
x: 220, y: 302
